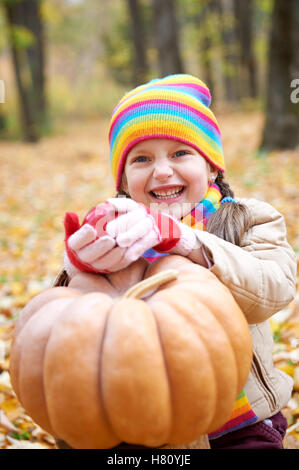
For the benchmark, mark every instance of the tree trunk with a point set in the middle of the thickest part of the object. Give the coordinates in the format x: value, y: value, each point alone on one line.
x: 28, y: 65
x: 36, y: 56
x: 207, y: 64
x: 243, y: 11
x: 2, y: 122
x: 2, y: 101
x: 282, y: 114
x: 294, y: 69
x: 205, y: 54
x: 141, y: 68
x: 230, y: 50
x: 166, y: 37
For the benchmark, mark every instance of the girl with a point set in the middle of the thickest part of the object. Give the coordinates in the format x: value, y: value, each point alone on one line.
x: 167, y: 161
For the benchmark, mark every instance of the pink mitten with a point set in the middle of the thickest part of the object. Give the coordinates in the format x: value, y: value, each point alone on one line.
x: 143, y: 228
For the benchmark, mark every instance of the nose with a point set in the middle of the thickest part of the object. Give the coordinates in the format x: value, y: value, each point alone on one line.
x: 162, y: 170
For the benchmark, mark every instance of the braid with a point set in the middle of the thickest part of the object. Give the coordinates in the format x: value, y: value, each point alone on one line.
x: 223, y: 185
x: 231, y: 220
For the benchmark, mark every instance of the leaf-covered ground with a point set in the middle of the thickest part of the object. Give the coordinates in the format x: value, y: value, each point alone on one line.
x: 71, y: 172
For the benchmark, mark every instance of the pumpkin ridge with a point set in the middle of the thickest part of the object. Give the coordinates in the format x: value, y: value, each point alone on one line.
x: 43, y: 376
x: 188, y: 285
x: 66, y: 301
x: 29, y: 311
x: 75, y: 318
x: 166, y: 368
x: 192, y: 322
x: 157, y: 302
x: 32, y: 307
x: 129, y: 410
x: 101, y: 395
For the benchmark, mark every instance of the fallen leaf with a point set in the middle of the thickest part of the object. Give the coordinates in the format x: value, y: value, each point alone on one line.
x: 16, y: 444
x: 5, y: 381
x: 5, y: 423
x: 296, y: 379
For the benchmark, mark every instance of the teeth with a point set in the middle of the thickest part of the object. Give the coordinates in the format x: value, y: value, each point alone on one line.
x: 168, y: 194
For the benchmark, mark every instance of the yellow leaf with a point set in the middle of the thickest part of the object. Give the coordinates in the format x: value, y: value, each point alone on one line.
x: 17, y: 252
x: 275, y: 326
x: 25, y: 426
x: 21, y: 300
x: 5, y: 384
x: 293, y: 327
x: 19, y: 231
x: 296, y: 379
x: 17, y: 288
x: 287, y: 368
x: 10, y: 405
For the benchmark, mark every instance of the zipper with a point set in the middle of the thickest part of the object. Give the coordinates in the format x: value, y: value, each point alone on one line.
x: 261, y: 379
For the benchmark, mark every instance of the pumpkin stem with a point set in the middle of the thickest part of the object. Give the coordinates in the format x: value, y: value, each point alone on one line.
x: 139, y: 289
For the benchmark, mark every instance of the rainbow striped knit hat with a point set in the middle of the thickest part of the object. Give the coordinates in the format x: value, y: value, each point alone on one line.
x: 174, y: 107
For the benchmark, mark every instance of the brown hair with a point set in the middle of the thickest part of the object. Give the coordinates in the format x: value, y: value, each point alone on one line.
x: 230, y: 221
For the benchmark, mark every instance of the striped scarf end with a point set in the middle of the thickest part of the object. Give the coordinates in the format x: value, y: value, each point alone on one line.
x: 235, y: 424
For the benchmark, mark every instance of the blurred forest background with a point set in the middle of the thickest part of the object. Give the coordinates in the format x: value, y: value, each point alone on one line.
x: 63, y: 66
x: 62, y: 58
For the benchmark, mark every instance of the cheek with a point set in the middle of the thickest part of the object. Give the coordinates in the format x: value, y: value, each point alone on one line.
x: 136, y: 187
x: 198, y: 183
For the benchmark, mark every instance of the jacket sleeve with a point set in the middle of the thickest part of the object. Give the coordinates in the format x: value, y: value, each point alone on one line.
x: 261, y: 273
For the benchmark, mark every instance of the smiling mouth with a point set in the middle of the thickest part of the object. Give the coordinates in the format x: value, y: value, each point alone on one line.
x: 171, y: 194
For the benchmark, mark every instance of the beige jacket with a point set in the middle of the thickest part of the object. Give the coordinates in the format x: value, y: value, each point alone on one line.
x: 261, y: 275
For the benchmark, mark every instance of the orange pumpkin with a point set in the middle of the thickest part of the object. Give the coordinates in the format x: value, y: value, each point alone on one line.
x: 95, y: 364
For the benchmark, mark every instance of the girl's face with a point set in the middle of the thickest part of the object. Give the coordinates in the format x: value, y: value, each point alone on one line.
x: 164, y: 172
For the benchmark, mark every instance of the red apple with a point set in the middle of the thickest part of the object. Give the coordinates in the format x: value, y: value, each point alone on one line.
x: 97, y: 217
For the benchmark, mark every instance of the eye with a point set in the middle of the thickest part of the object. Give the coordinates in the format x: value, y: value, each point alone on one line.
x: 180, y: 153
x: 140, y: 159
